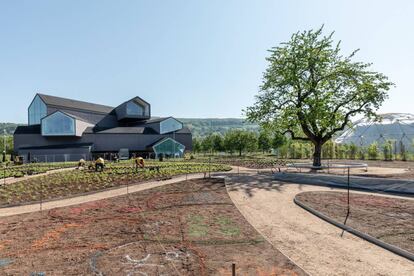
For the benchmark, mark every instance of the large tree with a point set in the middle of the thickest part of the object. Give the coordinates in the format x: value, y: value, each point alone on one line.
x: 311, y: 91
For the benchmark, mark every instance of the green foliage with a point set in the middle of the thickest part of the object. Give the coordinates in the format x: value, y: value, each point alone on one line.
x: 387, y: 148
x: 33, y: 168
x: 73, y: 182
x: 403, y: 152
x: 311, y: 90
x: 212, y: 143
x: 373, y: 151
x: 328, y: 150
x: 240, y: 141
x: 201, y: 128
x: 264, y: 142
x: 197, y: 145
x: 278, y: 140
x: 352, y: 151
x: 9, y: 145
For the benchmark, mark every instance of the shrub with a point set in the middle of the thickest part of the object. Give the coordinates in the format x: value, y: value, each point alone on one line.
x: 373, y: 151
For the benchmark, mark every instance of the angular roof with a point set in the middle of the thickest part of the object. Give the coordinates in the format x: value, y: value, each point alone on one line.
x: 68, y: 114
x: 162, y: 140
x: 159, y: 119
x: 69, y: 103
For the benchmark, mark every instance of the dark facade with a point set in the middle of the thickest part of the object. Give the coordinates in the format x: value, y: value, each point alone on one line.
x: 62, y: 129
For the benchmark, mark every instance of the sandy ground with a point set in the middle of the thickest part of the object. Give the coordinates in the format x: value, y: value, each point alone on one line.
x: 311, y: 243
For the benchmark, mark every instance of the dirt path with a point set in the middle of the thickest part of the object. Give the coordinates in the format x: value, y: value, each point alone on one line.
x: 311, y: 243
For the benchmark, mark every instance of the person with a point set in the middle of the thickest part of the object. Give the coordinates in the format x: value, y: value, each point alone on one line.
x: 139, y: 162
x: 99, y: 164
x: 81, y: 163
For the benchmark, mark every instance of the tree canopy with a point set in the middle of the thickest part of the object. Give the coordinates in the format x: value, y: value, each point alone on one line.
x: 310, y: 91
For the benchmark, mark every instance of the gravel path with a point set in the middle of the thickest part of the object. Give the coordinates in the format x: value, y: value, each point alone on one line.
x: 311, y: 243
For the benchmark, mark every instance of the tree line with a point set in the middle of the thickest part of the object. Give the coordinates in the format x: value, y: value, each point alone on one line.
x: 243, y: 141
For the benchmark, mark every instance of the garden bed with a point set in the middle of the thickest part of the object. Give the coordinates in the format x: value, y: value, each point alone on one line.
x: 187, y: 228
x: 33, y: 168
x: 387, y: 219
x: 75, y: 182
x: 249, y: 161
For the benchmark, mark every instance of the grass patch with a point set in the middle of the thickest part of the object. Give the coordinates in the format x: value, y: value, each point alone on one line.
x: 228, y: 227
x: 196, y: 226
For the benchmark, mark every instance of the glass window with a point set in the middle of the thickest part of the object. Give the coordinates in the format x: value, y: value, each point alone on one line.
x: 58, y: 124
x: 37, y: 110
x: 169, y: 148
x: 170, y: 125
x: 134, y: 109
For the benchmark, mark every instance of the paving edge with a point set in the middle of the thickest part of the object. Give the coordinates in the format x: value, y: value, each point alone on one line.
x: 371, y: 239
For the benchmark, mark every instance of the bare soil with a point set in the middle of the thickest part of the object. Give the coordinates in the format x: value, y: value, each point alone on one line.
x: 388, y: 219
x: 186, y: 228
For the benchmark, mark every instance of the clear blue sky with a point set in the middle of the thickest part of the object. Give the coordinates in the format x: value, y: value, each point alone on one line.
x: 187, y: 58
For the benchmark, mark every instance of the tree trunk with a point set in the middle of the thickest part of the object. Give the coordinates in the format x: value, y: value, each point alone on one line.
x: 317, y: 154
x: 240, y: 152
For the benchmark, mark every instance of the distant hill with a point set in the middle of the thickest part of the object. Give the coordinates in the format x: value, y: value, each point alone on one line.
x: 202, y: 127
x: 9, y: 127
x: 199, y: 127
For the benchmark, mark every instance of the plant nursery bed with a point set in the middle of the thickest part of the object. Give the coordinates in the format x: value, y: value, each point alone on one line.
x: 76, y: 182
x: 388, y: 219
x: 186, y: 228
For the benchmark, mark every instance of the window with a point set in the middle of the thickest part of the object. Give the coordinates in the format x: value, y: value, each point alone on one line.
x: 170, y: 125
x: 134, y: 109
x: 58, y: 124
x: 37, y: 110
x: 169, y: 147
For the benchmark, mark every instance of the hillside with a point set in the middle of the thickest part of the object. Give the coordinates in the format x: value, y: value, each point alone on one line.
x: 9, y: 127
x: 202, y: 127
x: 199, y: 127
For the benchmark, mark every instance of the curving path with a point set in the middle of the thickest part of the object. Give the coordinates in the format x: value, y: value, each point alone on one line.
x: 310, y: 242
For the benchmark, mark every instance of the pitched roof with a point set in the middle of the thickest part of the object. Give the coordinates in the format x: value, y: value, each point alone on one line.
x: 161, y: 140
x: 69, y: 103
x: 70, y: 114
x: 155, y: 120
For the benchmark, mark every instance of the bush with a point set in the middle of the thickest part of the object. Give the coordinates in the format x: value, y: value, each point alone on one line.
x: 373, y: 151
x: 387, y: 148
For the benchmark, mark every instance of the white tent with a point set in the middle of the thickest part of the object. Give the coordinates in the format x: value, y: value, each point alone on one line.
x: 395, y: 127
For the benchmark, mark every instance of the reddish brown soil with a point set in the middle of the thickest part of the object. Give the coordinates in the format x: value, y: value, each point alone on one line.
x: 388, y: 219
x: 187, y: 228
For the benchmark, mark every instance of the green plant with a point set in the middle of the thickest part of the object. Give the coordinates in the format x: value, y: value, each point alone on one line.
x: 373, y: 151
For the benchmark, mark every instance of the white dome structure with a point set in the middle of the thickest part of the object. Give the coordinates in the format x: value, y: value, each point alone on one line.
x: 395, y: 127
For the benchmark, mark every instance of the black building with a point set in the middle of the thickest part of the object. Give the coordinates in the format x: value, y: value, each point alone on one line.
x: 62, y: 129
